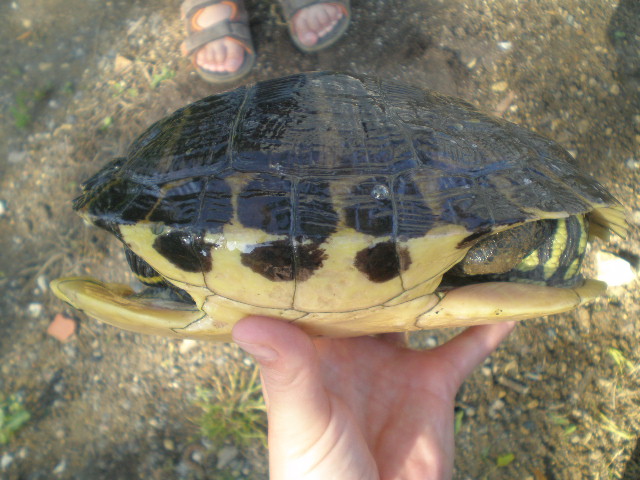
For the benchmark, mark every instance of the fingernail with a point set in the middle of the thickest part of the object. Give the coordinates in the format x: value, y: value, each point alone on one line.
x: 261, y: 353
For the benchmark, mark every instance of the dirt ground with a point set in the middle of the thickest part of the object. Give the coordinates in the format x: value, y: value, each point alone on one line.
x: 80, y: 79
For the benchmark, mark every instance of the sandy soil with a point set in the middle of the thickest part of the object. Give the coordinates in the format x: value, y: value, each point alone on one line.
x: 79, y: 80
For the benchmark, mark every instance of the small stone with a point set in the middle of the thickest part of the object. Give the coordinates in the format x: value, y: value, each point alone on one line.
x: 42, y: 283
x: 226, y: 455
x: 505, y: 46
x: 495, y: 407
x: 45, y: 66
x: 62, y: 328
x: 60, y: 467
x: 634, y: 217
x: 613, y: 270
x: 168, y: 444
x: 533, y: 404
x: 3, y: 208
x: 6, y: 460
x: 431, y: 342
x: 17, y: 157
x: 632, y: 163
x: 615, y: 89
x: 500, y: 86
x: 122, y: 64
x: 34, y: 309
x: 186, y: 345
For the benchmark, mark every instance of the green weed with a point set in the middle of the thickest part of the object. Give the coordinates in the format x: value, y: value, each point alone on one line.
x: 234, y: 409
x: 20, y: 112
x: 13, y: 416
x: 165, y: 74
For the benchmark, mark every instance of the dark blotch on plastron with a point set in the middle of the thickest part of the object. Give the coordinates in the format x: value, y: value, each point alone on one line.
x: 187, y: 251
x: 310, y: 258
x: 273, y: 261
x: 381, y: 262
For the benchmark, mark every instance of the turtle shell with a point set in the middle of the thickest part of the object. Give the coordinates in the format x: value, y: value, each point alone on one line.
x: 327, y: 192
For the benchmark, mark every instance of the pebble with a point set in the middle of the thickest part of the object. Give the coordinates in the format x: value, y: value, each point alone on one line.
x: 60, y: 467
x: 6, y: 460
x: 34, y: 309
x: 168, y: 444
x: 615, y: 89
x: 17, y: 157
x: 3, y: 208
x: 632, y: 163
x: 505, y: 46
x: 613, y: 270
x: 634, y: 217
x: 500, y: 86
x: 495, y: 407
x: 431, y: 342
x: 226, y: 455
x: 42, y: 283
x: 186, y: 345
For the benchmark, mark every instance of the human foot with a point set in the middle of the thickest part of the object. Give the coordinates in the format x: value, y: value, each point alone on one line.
x: 218, y: 39
x: 315, y: 24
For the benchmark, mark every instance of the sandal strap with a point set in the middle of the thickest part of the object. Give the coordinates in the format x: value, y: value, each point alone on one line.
x: 290, y: 7
x: 239, y: 31
x: 190, y: 7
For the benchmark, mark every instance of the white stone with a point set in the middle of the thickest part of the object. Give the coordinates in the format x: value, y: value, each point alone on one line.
x: 226, y: 455
x: 186, y: 345
x: 6, y: 460
x: 613, y: 270
x: 34, y: 309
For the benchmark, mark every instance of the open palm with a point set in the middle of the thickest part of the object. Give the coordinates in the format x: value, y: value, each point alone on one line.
x: 361, y: 408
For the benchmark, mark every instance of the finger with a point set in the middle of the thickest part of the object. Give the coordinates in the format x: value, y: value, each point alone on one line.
x: 470, y: 348
x: 298, y: 407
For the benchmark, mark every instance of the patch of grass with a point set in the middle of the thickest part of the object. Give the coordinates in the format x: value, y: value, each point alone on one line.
x: 13, y: 416
x: 20, y: 112
x: 457, y: 425
x: 234, y: 409
x: 621, y: 360
x: 26, y: 103
x: 165, y: 74
x: 562, y: 421
x: 505, y: 459
x: 610, y: 426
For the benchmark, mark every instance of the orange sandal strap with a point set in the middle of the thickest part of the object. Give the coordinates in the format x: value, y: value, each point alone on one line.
x: 235, y: 27
x: 290, y: 7
x: 191, y: 8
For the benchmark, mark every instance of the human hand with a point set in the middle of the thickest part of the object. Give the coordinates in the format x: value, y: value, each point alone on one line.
x: 361, y: 408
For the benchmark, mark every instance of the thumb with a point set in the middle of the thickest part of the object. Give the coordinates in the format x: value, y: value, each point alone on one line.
x: 298, y: 406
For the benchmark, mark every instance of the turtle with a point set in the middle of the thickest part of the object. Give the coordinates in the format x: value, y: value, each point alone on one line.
x: 346, y: 204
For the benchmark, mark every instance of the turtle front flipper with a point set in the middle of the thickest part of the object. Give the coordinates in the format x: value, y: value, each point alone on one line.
x: 118, y: 305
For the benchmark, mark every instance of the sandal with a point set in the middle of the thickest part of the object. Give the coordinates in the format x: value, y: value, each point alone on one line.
x: 291, y: 7
x: 236, y: 27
